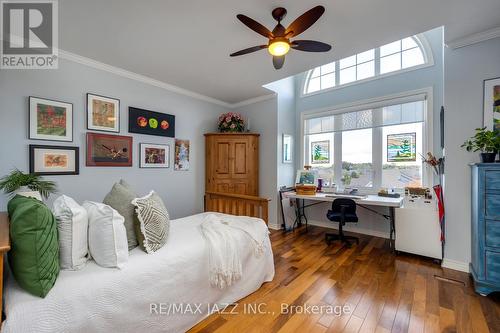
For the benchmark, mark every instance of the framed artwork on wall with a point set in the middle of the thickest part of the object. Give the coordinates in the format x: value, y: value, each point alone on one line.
x: 109, y: 150
x: 287, y: 148
x: 491, y: 104
x: 320, y: 152
x: 402, y: 147
x: 181, y: 155
x: 50, y: 120
x: 150, y: 122
x: 103, y: 113
x: 54, y: 160
x: 154, y: 155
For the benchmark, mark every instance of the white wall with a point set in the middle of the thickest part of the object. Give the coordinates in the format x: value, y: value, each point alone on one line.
x: 465, y: 70
x: 264, y: 120
x: 181, y: 191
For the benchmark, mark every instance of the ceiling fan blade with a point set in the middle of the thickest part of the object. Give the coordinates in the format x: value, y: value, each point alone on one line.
x: 278, y: 61
x: 304, y: 21
x: 248, y: 50
x: 310, y: 46
x: 255, y: 26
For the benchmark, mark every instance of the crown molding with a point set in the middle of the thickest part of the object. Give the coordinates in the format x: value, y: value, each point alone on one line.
x: 138, y: 77
x: 474, y: 38
x: 253, y: 100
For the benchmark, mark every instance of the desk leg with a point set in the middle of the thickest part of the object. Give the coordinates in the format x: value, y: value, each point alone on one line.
x: 392, y: 227
x: 304, y: 211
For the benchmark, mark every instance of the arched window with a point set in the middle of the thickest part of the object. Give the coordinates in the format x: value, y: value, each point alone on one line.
x: 412, y: 52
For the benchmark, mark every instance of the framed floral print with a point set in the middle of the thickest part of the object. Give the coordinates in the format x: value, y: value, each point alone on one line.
x: 103, y: 113
x: 50, y: 120
x: 54, y: 160
x: 492, y: 104
x: 154, y: 155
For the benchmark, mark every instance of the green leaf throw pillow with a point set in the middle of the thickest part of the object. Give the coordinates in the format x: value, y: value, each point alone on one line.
x: 34, y: 254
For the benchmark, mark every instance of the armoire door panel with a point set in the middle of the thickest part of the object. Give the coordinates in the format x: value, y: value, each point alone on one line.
x: 222, y: 156
x: 240, y: 158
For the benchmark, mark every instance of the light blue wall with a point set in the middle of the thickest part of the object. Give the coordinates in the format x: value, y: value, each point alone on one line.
x: 181, y: 191
x: 264, y: 120
x: 465, y: 70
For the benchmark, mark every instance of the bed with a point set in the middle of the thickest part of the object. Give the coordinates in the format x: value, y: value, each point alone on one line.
x: 138, y: 297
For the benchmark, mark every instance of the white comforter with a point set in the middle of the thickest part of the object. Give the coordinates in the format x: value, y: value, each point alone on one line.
x: 138, y: 297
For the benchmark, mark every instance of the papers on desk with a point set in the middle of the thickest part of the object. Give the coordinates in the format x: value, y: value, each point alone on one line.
x: 348, y: 196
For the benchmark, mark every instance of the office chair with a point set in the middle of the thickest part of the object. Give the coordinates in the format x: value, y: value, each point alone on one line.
x: 343, y: 211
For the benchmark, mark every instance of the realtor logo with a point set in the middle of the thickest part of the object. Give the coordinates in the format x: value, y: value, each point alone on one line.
x: 28, y: 34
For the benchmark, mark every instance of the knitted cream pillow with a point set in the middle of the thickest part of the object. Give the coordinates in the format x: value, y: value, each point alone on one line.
x: 153, y: 222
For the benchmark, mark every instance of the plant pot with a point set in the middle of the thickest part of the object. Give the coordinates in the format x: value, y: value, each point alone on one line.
x: 488, y: 157
x: 26, y: 192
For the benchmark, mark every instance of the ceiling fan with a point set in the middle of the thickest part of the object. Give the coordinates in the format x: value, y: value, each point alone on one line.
x: 279, y: 39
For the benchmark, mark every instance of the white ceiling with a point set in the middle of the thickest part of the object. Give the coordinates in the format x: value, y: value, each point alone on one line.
x: 187, y: 42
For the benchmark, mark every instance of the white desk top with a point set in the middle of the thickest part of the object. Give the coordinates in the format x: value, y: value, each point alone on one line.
x: 372, y: 200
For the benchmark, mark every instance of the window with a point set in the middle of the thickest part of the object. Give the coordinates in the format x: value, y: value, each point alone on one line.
x: 389, y: 58
x: 322, y: 77
x: 370, y: 146
x: 398, y: 55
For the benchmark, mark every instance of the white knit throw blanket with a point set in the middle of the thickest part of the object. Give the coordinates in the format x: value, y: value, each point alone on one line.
x: 221, y: 233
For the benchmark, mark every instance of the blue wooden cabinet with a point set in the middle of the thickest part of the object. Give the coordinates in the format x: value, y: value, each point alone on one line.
x: 485, y: 255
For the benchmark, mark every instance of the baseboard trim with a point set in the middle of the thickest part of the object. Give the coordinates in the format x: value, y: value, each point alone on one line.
x: 455, y: 265
x: 350, y: 228
x: 273, y: 227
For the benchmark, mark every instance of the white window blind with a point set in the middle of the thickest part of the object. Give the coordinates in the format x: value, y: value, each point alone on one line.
x: 408, y: 110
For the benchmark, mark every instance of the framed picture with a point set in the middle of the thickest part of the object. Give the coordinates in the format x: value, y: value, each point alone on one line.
x: 181, y: 155
x: 54, y: 160
x: 103, y: 113
x: 109, y: 150
x: 50, y: 120
x: 287, y: 148
x: 150, y: 122
x: 491, y: 104
x: 320, y: 152
x: 154, y: 155
x: 402, y: 147
x: 306, y: 177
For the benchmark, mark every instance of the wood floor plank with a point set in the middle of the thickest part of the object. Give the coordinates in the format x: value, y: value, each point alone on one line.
x: 383, y: 291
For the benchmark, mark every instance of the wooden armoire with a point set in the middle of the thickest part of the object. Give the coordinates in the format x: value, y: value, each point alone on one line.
x: 232, y: 163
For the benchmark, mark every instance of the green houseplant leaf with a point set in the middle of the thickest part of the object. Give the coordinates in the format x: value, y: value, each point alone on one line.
x: 17, y: 179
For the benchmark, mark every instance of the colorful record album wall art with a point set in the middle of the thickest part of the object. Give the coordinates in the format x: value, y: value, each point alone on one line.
x: 150, y: 122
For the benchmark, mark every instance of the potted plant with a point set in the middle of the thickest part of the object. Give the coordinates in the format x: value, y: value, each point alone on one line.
x: 485, y: 141
x: 231, y: 122
x: 30, y: 185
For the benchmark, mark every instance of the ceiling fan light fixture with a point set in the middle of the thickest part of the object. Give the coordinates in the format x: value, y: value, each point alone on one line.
x: 279, y: 48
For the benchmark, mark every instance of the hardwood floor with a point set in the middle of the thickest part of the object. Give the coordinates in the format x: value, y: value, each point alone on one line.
x: 384, y: 292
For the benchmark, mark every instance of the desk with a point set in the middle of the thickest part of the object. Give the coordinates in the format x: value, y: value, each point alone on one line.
x: 362, y: 201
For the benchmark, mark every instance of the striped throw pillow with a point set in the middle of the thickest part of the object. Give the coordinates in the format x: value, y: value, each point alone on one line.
x: 153, y: 222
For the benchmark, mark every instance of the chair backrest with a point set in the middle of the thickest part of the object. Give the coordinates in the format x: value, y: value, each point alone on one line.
x: 338, y: 203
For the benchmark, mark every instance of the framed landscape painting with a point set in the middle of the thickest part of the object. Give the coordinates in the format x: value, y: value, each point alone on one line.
x: 103, y: 113
x: 154, y: 155
x: 50, y: 120
x: 181, y: 155
x: 402, y: 147
x: 492, y: 104
x: 109, y: 150
x: 151, y: 122
x: 320, y: 152
x: 54, y: 160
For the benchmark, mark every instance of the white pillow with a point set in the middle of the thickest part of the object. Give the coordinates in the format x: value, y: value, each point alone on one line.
x: 107, y: 236
x: 72, y: 226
